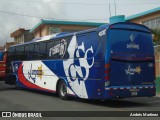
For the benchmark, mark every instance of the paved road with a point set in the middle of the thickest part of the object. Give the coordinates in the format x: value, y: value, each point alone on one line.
x: 25, y: 100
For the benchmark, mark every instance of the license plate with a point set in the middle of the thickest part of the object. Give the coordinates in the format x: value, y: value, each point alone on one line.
x: 134, y: 93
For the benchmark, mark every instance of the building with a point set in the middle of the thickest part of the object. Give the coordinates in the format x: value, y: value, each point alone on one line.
x: 150, y: 18
x: 21, y: 36
x: 1, y: 48
x: 47, y: 27
x: 8, y: 44
x: 157, y: 61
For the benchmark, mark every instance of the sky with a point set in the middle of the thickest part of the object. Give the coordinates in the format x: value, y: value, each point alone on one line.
x: 15, y: 14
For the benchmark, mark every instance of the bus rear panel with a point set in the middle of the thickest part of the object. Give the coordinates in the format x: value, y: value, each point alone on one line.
x: 131, y: 62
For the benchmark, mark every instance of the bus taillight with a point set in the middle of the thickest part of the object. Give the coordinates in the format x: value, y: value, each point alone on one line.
x: 107, y: 71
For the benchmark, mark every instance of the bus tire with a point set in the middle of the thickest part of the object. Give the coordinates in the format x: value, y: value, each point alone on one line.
x: 62, y: 90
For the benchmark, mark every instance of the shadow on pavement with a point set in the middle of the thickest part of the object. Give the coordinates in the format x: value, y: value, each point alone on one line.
x: 117, y: 103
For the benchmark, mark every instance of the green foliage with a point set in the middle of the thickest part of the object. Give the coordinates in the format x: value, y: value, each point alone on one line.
x: 156, y: 36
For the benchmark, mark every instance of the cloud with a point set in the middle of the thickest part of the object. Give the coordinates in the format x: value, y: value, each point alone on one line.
x: 79, y: 10
x: 9, y: 22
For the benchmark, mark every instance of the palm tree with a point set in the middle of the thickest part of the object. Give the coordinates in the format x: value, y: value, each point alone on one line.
x: 156, y: 36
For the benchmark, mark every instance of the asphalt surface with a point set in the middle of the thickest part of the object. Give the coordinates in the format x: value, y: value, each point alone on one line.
x: 27, y: 100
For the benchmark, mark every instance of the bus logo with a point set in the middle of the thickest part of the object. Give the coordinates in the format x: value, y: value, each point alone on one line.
x: 32, y: 74
x: 132, y: 71
x: 60, y: 48
x: 132, y: 44
x: 78, y: 70
x: 103, y: 32
x: 132, y: 38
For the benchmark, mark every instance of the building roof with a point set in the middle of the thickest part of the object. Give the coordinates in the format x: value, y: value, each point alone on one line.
x: 42, y: 22
x: 143, y: 13
x: 17, y: 32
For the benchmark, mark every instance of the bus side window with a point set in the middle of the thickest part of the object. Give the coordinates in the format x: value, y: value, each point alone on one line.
x: 30, y: 52
x: 42, y: 50
x: 17, y: 52
x: 26, y: 53
x: 64, y: 43
x: 11, y: 55
x: 36, y: 52
x: 50, y: 49
x: 88, y: 41
x: 56, y: 49
x: 21, y: 53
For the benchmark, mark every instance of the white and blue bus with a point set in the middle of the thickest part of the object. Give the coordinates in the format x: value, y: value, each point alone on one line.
x: 108, y: 62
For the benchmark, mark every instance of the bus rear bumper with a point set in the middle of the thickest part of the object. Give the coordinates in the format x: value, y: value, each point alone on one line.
x: 130, y: 91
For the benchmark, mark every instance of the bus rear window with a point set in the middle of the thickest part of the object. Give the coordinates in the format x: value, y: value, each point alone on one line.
x: 124, y: 42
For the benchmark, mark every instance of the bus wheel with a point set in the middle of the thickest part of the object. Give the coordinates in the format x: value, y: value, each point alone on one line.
x: 62, y: 90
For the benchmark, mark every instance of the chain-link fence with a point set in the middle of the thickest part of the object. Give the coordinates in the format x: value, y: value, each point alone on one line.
x: 157, y: 60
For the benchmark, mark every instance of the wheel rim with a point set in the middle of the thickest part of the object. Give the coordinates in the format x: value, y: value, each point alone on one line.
x: 63, y: 90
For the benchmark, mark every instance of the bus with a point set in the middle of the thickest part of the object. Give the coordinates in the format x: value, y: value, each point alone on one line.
x: 2, y: 65
x: 108, y: 62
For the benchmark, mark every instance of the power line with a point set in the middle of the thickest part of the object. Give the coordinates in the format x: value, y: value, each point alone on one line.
x: 115, y: 7
x: 109, y: 9
x: 12, y: 13
x: 40, y: 17
x: 101, y: 4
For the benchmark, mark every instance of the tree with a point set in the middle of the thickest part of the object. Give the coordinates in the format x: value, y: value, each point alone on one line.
x: 156, y: 36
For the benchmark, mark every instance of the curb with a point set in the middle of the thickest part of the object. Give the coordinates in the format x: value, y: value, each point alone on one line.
x: 157, y: 95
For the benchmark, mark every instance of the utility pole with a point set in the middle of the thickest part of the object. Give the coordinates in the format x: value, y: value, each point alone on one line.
x: 109, y: 9
x: 115, y: 6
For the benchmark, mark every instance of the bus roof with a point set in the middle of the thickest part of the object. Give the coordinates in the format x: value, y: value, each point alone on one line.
x: 127, y: 25
x: 119, y: 25
x: 54, y: 36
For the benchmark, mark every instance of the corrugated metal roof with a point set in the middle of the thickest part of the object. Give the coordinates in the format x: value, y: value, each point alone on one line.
x: 143, y: 13
x: 65, y: 23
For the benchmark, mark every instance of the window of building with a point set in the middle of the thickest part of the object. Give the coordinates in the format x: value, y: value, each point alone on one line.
x: 71, y: 30
x: 53, y: 30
